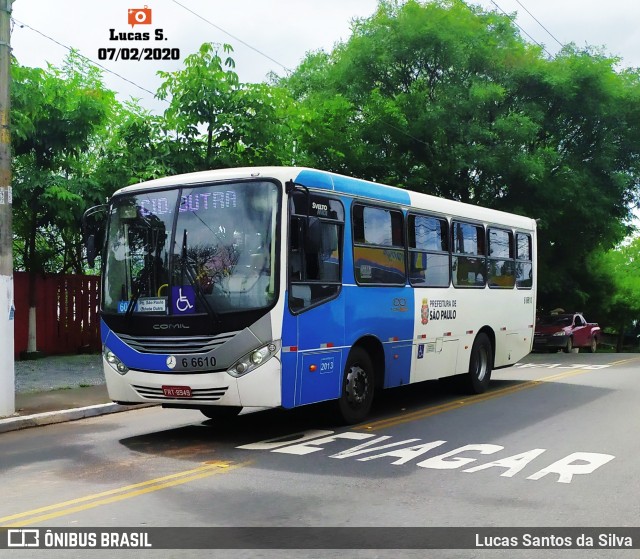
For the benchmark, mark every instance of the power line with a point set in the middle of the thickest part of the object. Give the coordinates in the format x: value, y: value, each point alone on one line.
x: 288, y: 70
x: 540, y: 24
x: 513, y: 19
x: 70, y: 49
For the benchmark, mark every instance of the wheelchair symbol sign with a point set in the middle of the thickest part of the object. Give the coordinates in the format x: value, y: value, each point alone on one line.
x: 184, y: 299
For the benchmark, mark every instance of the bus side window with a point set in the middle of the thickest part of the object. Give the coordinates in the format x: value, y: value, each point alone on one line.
x: 315, y: 277
x: 378, y: 246
x: 428, y: 239
x: 501, y: 258
x: 524, y: 261
x: 468, y: 261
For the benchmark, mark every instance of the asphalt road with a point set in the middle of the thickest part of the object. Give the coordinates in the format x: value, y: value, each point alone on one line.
x: 554, y: 443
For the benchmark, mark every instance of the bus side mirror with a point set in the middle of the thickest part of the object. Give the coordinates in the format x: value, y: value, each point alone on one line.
x: 90, y: 244
x: 313, y: 235
x: 93, y: 228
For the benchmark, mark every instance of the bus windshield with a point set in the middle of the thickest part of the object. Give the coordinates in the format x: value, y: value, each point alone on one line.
x: 192, y: 250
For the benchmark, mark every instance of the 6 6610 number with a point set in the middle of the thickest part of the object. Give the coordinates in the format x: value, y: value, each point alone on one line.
x: 198, y: 362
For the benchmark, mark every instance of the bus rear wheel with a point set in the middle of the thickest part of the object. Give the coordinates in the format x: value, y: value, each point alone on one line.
x: 220, y: 412
x: 356, y: 398
x: 480, y: 365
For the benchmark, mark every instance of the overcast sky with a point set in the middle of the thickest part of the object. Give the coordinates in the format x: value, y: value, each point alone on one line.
x: 276, y: 33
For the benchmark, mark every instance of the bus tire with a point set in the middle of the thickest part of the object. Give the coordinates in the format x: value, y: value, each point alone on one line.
x: 220, y: 412
x: 480, y: 365
x: 358, y: 381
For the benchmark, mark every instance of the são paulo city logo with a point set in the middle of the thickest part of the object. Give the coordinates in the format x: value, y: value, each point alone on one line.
x: 424, y: 311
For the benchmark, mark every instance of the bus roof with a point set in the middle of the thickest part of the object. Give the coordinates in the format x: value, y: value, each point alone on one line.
x: 313, y: 178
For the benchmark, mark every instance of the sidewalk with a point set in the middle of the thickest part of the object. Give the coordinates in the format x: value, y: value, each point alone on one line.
x: 59, y: 388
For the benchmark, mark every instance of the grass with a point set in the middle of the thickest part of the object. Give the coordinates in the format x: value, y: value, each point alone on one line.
x: 81, y: 385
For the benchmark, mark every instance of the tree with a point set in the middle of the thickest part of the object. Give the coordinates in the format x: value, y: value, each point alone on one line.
x: 56, y: 114
x: 587, y: 144
x: 218, y: 122
x: 619, y: 271
x: 199, y: 97
x: 448, y: 99
x: 135, y: 147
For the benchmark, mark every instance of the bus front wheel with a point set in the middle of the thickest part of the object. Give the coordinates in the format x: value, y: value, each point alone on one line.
x: 480, y: 365
x: 357, y: 387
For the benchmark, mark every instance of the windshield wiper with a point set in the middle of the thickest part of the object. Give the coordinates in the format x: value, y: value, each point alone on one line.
x: 144, y: 276
x: 188, y: 271
x: 148, y: 269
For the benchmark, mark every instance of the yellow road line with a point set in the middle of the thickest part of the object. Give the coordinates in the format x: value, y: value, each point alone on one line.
x: 114, y: 495
x: 113, y: 491
x: 623, y: 361
x: 434, y: 410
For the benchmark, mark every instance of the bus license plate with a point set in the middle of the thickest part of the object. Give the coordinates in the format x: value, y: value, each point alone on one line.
x: 177, y: 391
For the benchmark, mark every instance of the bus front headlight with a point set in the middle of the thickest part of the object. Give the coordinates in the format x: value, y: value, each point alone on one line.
x: 253, y: 360
x: 111, y: 358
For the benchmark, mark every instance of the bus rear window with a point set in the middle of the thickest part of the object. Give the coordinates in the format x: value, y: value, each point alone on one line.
x: 524, y: 261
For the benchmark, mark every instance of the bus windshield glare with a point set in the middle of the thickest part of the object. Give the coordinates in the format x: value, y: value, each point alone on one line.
x: 193, y: 250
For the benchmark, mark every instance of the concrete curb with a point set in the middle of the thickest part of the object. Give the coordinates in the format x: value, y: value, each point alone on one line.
x: 61, y: 416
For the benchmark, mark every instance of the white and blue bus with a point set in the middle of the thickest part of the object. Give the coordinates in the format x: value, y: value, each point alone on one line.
x: 282, y: 286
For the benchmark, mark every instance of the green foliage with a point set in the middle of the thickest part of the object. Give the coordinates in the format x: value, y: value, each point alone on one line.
x: 55, y: 111
x: 135, y: 147
x: 199, y: 95
x: 56, y: 115
x: 219, y: 122
x: 448, y: 99
x: 619, y: 276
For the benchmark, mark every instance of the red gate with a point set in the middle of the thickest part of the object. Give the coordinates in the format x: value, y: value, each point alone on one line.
x: 67, y: 319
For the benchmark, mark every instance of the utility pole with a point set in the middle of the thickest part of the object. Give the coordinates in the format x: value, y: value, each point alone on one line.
x: 7, y: 371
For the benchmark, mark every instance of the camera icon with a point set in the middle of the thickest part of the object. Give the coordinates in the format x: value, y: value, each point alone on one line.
x: 139, y: 16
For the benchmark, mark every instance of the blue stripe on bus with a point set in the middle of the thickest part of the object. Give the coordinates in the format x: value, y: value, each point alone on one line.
x: 130, y: 357
x: 353, y: 187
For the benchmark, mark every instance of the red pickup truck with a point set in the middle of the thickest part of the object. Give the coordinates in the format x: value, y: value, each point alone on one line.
x: 565, y: 331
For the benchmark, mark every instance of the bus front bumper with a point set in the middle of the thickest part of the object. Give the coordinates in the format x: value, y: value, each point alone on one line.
x: 258, y: 388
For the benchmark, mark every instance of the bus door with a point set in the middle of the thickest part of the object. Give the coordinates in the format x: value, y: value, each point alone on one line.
x: 315, y: 302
